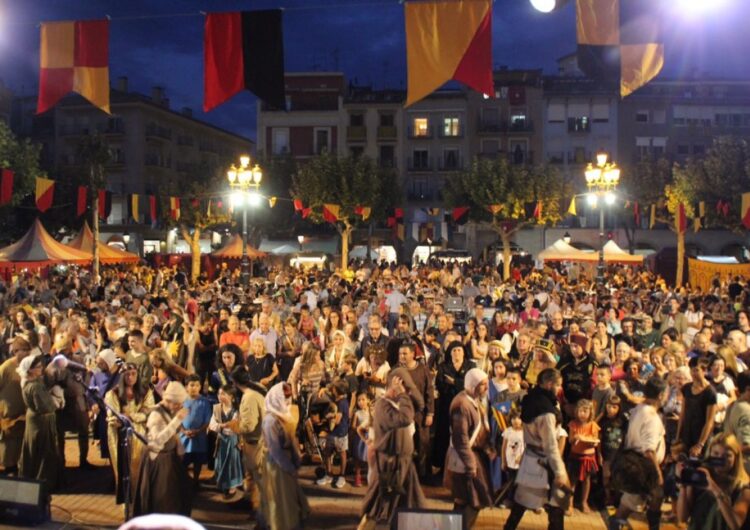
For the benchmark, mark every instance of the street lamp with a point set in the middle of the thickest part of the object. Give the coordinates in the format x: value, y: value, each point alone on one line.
x: 602, y: 180
x: 245, y: 181
x: 566, y: 238
x: 126, y: 238
x: 300, y: 240
x: 548, y: 6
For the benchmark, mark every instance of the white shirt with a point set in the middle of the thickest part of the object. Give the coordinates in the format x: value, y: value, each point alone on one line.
x: 646, y: 431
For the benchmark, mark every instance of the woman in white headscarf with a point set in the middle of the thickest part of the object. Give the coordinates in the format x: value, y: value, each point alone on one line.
x: 286, y: 505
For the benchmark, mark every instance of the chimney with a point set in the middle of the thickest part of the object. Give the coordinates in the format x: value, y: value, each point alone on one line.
x: 157, y: 94
x: 187, y: 111
x: 122, y: 83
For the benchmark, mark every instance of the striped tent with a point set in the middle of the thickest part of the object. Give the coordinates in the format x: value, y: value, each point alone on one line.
x: 85, y: 241
x: 233, y: 249
x: 37, y: 248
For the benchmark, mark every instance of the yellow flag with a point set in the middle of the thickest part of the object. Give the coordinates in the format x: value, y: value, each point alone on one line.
x: 572, y: 207
x: 272, y: 202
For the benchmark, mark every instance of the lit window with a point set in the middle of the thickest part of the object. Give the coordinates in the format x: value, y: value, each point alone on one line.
x: 421, y: 127
x: 451, y: 127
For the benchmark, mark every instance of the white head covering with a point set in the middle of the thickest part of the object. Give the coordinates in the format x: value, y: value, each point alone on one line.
x: 24, y: 366
x: 175, y: 392
x: 160, y: 521
x: 278, y: 404
x: 108, y: 356
x: 473, y: 377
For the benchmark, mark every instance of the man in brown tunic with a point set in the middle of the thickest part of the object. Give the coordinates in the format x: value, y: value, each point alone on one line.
x: 422, y: 379
x: 12, y: 408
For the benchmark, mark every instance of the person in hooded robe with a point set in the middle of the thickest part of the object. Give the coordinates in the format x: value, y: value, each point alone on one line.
x: 395, y: 481
x: 469, y: 454
x: 286, y: 507
x: 163, y: 485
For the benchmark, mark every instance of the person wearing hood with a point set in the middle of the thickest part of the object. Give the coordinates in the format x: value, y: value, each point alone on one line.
x: 394, y: 481
x: 286, y: 505
x: 468, y: 458
x: 577, y: 370
x: 542, y: 479
x: 163, y: 485
x: 104, y: 379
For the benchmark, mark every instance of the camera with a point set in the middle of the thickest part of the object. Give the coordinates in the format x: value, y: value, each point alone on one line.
x: 691, y: 476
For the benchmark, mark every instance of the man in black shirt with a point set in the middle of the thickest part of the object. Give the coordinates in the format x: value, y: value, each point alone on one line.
x: 628, y: 334
x: 576, y: 368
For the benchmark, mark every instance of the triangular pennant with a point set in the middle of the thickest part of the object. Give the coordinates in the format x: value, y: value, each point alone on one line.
x: 572, y: 208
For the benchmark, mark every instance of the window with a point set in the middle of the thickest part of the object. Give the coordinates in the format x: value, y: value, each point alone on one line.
x: 518, y: 152
x: 641, y: 116
x: 556, y: 113
x: 490, y: 147
x: 451, y: 126
x: 518, y: 121
x: 643, y: 152
x: 386, y: 120
x: 450, y: 159
x: 357, y: 120
x: 699, y: 149
x: 599, y: 112
x: 322, y: 140
x: 581, y: 124
x: 683, y: 149
x: 490, y: 120
x: 421, y: 127
x: 659, y: 117
x: 387, y: 158
x: 356, y: 151
x: 420, y: 159
x: 280, y: 141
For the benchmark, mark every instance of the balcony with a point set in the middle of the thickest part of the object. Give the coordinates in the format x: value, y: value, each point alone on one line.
x: 489, y: 126
x: 579, y: 125
x: 451, y: 164
x: 520, y: 126
x: 157, y: 162
x: 387, y: 163
x: 356, y: 133
x: 451, y: 132
x: 114, y: 128
x: 420, y: 134
x: 186, y: 141
x: 116, y: 161
x: 419, y: 164
x: 161, y: 133
x: 387, y: 132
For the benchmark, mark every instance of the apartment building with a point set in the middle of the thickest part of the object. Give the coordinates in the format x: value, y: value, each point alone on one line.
x: 312, y: 120
x: 680, y: 119
x: 152, y: 148
x: 373, y: 121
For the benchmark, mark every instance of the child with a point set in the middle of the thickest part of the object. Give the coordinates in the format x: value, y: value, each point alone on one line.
x: 513, y: 446
x: 584, y: 451
x: 337, y: 440
x: 193, y: 435
x: 514, y: 393
x: 362, y: 422
x: 603, y: 391
x: 613, y: 429
x: 228, y: 471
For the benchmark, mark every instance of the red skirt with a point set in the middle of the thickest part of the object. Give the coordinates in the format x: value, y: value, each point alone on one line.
x: 583, y: 466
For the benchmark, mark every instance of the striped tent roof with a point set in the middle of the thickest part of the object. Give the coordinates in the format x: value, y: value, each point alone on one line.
x: 37, y: 247
x: 233, y: 249
x: 85, y: 241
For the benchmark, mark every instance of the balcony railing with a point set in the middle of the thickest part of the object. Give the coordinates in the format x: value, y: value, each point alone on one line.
x: 577, y: 125
x: 357, y: 133
x: 420, y: 164
x: 420, y: 133
x: 520, y: 126
x: 451, y: 164
x: 387, y: 132
x: 154, y: 131
x: 451, y: 132
x: 489, y: 126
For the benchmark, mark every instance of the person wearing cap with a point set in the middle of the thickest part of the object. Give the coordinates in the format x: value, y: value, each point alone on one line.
x: 163, y: 485
x: 12, y: 408
x: 577, y: 368
x: 469, y: 454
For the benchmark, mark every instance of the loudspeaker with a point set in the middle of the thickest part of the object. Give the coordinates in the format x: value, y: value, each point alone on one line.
x: 23, y: 501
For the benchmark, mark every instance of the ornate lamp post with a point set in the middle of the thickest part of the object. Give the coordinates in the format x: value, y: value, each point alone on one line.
x: 245, y: 181
x: 602, y: 180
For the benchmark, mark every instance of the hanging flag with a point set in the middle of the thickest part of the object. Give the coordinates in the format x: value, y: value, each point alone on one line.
x: 636, y: 214
x: 681, y: 219
x: 272, y: 201
x: 572, y: 208
x: 135, y: 212
x: 45, y: 190
x: 331, y: 212
x: 81, y: 200
x: 208, y: 209
x: 74, y: 57
x: 700, y: 217
x: 745, y: 211
x: 363, y: 211
x: 619, y: 39
x: 459, y: 214
x: 652, y: 217
x: 244, y: 50
x: 152, y: 208
x: 495, y: 208
x: 174, y: 208
x: 448, y: 40
x: 298, y: 207
x: 6, y: 186
x: 306, y: 212
x: 538, y: 210
x: 105, y: 204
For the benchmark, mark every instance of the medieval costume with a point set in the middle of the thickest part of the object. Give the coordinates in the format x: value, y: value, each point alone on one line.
x: 286, y: 506
x: 163, y: 485
x: 228, y: 471
x: 12, y: 415
x: 395, y: 482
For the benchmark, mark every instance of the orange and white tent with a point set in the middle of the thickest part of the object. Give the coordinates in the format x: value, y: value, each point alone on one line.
x: 562, y: 251
x: 37, y: 248
x: 85, y: 241
x: 614, y: 254
x: 233, y: 249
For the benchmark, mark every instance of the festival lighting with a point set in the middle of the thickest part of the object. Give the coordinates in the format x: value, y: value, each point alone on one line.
x: 548, y: 6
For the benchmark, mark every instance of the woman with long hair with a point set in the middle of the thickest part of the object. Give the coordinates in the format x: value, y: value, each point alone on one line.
x: 306, y: 376
x: 133, y: 399
x: 724, y: 500
x: 337, y: 351
x: 480, y: 346
x: 228, y: 358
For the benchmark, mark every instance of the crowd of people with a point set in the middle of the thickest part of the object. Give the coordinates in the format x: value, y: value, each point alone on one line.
x: 547, y: 391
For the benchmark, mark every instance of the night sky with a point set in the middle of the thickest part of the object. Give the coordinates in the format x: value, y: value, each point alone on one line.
x: 363, y: 38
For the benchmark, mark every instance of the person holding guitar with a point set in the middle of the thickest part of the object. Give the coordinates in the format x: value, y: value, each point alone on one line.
x: 12, y: 408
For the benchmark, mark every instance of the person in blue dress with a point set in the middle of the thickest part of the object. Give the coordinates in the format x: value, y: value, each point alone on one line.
x: 228, y: 471
x: 194, y: 428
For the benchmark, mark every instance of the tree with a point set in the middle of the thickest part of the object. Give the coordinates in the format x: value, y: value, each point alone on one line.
x: 682, y: 190
x: 195, y: 217
x: 22, y: 157
x: 498, y: 193
x: 346, y: 182
x: 93, y: 153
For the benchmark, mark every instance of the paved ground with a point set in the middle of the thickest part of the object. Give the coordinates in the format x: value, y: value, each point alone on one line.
x: 89, y: 503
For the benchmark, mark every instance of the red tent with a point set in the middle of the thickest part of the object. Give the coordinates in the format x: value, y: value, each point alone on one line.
x: 39, y: 249
x: 85, y: 241
x: 233, y: 249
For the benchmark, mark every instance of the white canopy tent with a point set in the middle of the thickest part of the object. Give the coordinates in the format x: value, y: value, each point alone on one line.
x: 562, y: 251
x: 614, y: 254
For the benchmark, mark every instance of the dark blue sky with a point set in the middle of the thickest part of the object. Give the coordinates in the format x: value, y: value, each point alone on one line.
x: 366, y: 42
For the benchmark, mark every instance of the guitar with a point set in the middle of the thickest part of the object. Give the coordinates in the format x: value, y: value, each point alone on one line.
x: 6, y: 424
